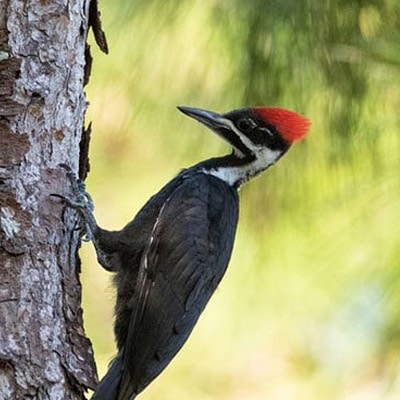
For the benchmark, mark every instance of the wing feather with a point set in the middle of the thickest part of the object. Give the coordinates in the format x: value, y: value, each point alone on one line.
x: 178, y: 273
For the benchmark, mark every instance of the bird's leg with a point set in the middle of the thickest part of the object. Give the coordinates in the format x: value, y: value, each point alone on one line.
x: 83, y: 203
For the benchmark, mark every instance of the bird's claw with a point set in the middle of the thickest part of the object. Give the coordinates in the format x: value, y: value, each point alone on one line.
x: 83, y: 202
x: 79, y: 190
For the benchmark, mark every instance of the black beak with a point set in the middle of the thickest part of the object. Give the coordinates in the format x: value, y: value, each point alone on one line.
x: 210, y: 119
x: 221, y: 125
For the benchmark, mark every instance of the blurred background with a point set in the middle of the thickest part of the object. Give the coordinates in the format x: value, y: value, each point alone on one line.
x: 310, y: 305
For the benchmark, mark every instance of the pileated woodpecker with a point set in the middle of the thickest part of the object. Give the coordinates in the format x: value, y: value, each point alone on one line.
x: 169, y: 260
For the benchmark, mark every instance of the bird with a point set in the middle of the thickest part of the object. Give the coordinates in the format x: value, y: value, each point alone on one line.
x: 169, y: 260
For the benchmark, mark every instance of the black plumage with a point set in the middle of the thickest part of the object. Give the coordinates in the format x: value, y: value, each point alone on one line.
x: 172, y: 257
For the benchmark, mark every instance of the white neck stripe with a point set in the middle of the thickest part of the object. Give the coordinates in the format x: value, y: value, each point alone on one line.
x: 265, y: 157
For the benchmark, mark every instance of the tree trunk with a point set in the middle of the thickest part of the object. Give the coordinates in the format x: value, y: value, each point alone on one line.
x: 44, y: 353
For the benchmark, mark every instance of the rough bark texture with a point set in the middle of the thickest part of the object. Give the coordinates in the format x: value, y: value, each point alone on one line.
x: 44, y: 353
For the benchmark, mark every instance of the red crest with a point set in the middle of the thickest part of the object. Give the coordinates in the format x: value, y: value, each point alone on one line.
x: 291, y: 125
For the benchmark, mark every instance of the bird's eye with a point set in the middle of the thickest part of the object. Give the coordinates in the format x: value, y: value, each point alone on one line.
x: 245, y: 124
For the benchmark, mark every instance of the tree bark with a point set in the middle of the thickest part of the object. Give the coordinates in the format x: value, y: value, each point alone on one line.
x: 44, y: 353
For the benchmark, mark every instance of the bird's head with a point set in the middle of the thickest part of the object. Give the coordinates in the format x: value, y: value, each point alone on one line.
x: 259, y: 136
x: 249, y: 130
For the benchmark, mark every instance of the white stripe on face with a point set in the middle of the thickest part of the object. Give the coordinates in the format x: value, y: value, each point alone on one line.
x: 242, y: 137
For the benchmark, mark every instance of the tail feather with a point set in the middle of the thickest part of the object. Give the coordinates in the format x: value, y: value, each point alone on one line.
x: 108, y: 387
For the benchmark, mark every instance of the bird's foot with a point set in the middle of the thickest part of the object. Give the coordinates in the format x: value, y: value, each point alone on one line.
x: 82, y: 202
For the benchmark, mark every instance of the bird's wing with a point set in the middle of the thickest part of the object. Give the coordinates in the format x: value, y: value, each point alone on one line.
x: 186, y: 256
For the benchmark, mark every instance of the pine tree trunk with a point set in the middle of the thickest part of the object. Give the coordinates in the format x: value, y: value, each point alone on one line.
x: 44, y: 353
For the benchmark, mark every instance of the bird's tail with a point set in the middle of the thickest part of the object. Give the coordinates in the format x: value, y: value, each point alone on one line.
x: 108, y: 387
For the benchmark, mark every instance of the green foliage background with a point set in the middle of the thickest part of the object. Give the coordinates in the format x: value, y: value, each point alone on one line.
x: 310, y: 305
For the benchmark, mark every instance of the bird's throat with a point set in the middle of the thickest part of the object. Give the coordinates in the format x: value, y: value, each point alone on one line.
x: 236, y: 171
